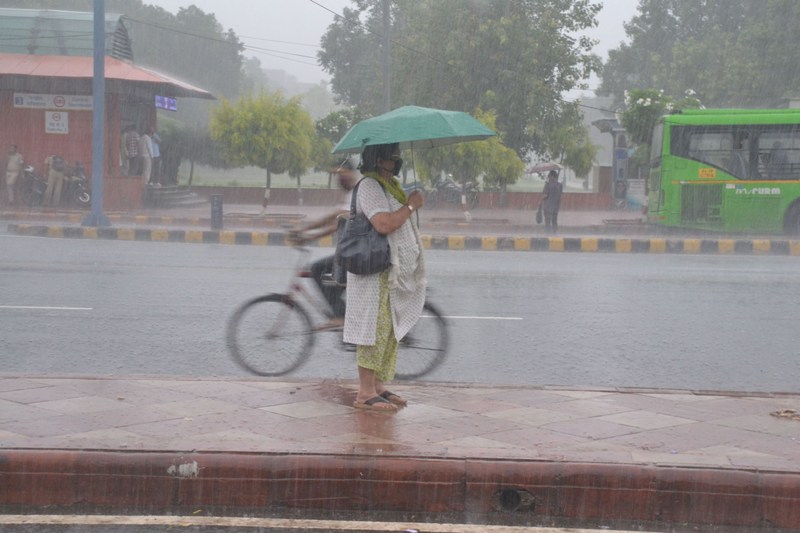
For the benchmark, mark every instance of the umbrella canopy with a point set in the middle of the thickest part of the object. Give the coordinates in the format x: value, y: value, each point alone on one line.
x: 413, y: 127
x: 544, y: 167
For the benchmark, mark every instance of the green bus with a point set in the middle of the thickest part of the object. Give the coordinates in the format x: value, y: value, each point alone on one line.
x: 729, y: 170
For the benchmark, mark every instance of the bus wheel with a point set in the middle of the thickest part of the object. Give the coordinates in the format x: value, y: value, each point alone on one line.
x: 791, y: 222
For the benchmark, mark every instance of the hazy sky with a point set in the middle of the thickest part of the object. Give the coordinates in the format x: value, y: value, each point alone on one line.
x: 285, y: 34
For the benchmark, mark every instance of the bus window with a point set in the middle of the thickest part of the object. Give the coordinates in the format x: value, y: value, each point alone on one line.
x: 724, y: 148
x: 779, y: 153
x: 712, y: 148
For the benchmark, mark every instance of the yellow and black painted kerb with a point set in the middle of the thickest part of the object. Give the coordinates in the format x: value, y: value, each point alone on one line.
x: 274, y: 220
x: 651, y: 245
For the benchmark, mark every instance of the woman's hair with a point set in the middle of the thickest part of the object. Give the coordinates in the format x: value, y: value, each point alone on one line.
x: 371, y: 154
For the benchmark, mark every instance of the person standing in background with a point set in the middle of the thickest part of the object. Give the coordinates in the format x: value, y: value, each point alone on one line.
x: 14, y: 165
x: 155, y: 144
x: 551, y: 202
x: 145, y: 156
x: 54, y: 167
x: 131, y: 141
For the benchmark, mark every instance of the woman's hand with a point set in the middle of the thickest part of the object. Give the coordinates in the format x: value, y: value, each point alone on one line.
x: 387, y: 223
x: 416, y: 199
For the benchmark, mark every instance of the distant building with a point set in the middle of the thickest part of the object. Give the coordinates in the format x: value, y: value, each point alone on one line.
x: 594, y: 109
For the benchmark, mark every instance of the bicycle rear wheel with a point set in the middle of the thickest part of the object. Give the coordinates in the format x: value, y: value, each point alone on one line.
x: 270, y: 335
x: 424, y: 347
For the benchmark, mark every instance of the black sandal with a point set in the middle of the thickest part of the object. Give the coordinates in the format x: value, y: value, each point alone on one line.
x: 376, y: 403
x: 396, y: 399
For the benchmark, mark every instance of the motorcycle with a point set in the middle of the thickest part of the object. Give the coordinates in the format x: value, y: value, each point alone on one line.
x: 446, y: 190
x: 33, y: 187
x: 76, y: 186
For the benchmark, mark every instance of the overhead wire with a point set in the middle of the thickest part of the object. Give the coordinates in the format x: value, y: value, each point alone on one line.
x: 280, y: 54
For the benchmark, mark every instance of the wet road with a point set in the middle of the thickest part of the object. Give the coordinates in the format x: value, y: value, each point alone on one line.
x: 669, y: 321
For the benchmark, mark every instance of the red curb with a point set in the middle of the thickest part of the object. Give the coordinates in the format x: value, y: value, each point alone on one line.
x: 489, y: 492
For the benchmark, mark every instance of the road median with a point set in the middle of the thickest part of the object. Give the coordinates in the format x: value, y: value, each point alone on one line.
x: 587, y: 244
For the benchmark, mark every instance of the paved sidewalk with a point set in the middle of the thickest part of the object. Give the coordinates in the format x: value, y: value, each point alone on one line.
x: 524, y: 455
x: 492, y: 221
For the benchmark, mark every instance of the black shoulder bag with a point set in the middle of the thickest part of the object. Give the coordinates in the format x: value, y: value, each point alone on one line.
x: 360, y: 249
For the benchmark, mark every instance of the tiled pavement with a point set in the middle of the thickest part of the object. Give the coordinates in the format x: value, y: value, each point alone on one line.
x: 502, y: 454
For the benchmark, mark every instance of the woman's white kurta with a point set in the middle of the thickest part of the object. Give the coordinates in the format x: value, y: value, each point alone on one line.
x: 406, y: 275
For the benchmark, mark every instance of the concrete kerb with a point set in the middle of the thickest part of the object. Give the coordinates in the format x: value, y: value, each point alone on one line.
x: 510, y: 492
x: 624, y: 244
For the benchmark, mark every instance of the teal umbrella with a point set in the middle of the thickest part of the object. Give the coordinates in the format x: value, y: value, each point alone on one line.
x: 413, y: 127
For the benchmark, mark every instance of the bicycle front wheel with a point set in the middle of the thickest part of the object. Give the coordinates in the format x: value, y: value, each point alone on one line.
x: 270, y: 335
x: 424, y: 347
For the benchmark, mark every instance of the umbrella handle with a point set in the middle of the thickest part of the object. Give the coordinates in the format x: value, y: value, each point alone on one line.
x: 414, y: 167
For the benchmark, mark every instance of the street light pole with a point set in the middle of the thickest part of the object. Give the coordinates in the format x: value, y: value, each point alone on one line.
x: 96, y: 217
x: 387, y: 57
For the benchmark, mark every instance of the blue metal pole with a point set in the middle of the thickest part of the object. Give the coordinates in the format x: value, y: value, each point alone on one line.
x: 96, y: 217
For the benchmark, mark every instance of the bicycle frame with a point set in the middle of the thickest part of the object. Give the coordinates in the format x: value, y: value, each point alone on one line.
x: 290, y: 331
x: 297, y: 290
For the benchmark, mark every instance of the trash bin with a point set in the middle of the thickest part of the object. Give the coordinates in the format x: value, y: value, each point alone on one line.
x: 216, y: 211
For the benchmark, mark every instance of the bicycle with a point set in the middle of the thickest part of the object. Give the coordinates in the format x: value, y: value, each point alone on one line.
x: 274, y: 334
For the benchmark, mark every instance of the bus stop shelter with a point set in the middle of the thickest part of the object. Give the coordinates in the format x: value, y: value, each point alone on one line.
x: 46, y: 105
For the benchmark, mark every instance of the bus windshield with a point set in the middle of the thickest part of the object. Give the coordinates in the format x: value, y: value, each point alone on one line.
x: 655, y: 146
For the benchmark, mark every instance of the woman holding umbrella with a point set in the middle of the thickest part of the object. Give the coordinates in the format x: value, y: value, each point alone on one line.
x: 383, y: 307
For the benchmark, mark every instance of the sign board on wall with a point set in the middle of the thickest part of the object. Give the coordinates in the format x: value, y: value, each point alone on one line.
x: 53, y: 101
x: 56, y: 122
x: 165, y: 102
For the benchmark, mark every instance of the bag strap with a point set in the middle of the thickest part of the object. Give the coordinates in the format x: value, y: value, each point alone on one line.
x: 355, y: 194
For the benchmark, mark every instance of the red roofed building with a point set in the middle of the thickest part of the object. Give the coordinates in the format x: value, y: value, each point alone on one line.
x: 46, y: 70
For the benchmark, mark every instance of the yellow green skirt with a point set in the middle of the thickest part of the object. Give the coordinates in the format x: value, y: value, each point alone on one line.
x: 382, y: 356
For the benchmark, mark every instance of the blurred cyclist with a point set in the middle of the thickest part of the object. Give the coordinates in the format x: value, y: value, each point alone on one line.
x: 348, y: 176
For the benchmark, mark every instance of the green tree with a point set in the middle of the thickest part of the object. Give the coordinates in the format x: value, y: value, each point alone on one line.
x: 504, y: 169
x: 255, y: 79
x: 514, y: 56
x: 350, y: 51
x: 569, y: 142
x: 581, y: 155
x: 318, y: 101
x: 330, y: 129
x: 643, y: 108
x: 489, y: 159
x: 180, y: 141
x: 731, y: 53
x: 335, y: 124
x: 191, y: 44
x: 265, y: 131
